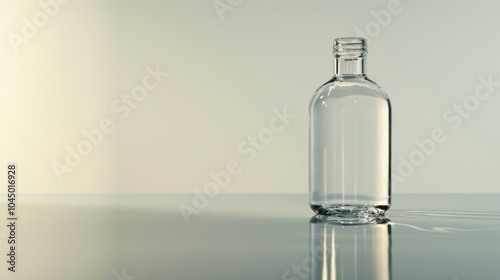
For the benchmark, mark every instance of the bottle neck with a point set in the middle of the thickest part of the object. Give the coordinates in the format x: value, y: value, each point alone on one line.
x: 349, y: 66
x: 350, y: 56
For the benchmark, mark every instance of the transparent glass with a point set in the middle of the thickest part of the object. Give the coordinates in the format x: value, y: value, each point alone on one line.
x: 348, y: 252
x: 350, y: 140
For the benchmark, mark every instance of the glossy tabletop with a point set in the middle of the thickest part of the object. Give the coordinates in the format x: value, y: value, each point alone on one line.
x: 250, y: 237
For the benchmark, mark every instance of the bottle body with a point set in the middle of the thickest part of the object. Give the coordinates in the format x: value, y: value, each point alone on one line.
x: 350, y: 147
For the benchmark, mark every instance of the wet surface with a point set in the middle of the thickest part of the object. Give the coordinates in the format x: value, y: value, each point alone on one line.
x: 252, y: 237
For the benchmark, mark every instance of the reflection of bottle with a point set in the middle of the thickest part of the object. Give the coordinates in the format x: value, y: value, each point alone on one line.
x: 350, y: 252
x: 350, y: 139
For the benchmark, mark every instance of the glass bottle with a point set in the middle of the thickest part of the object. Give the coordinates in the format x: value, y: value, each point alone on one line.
x: 350, y: 140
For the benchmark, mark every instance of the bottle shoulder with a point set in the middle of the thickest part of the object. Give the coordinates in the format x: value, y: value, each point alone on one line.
x: 342, y: 87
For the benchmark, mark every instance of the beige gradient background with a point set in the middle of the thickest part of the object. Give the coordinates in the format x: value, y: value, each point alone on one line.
x: 227, y: 72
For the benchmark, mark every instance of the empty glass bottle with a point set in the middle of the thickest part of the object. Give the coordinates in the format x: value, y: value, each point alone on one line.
x: 350, y: 140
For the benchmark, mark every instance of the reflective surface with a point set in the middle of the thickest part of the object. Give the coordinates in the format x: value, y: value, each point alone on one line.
x: 350, y: 252
x: 146, y: 237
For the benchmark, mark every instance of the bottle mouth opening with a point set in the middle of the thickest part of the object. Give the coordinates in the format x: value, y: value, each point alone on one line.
x: 350, y: 47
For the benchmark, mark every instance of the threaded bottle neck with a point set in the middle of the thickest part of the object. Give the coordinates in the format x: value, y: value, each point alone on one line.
x: 350, y: 56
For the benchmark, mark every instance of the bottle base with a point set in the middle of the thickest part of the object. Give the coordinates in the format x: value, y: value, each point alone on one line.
x: 351, y: 214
